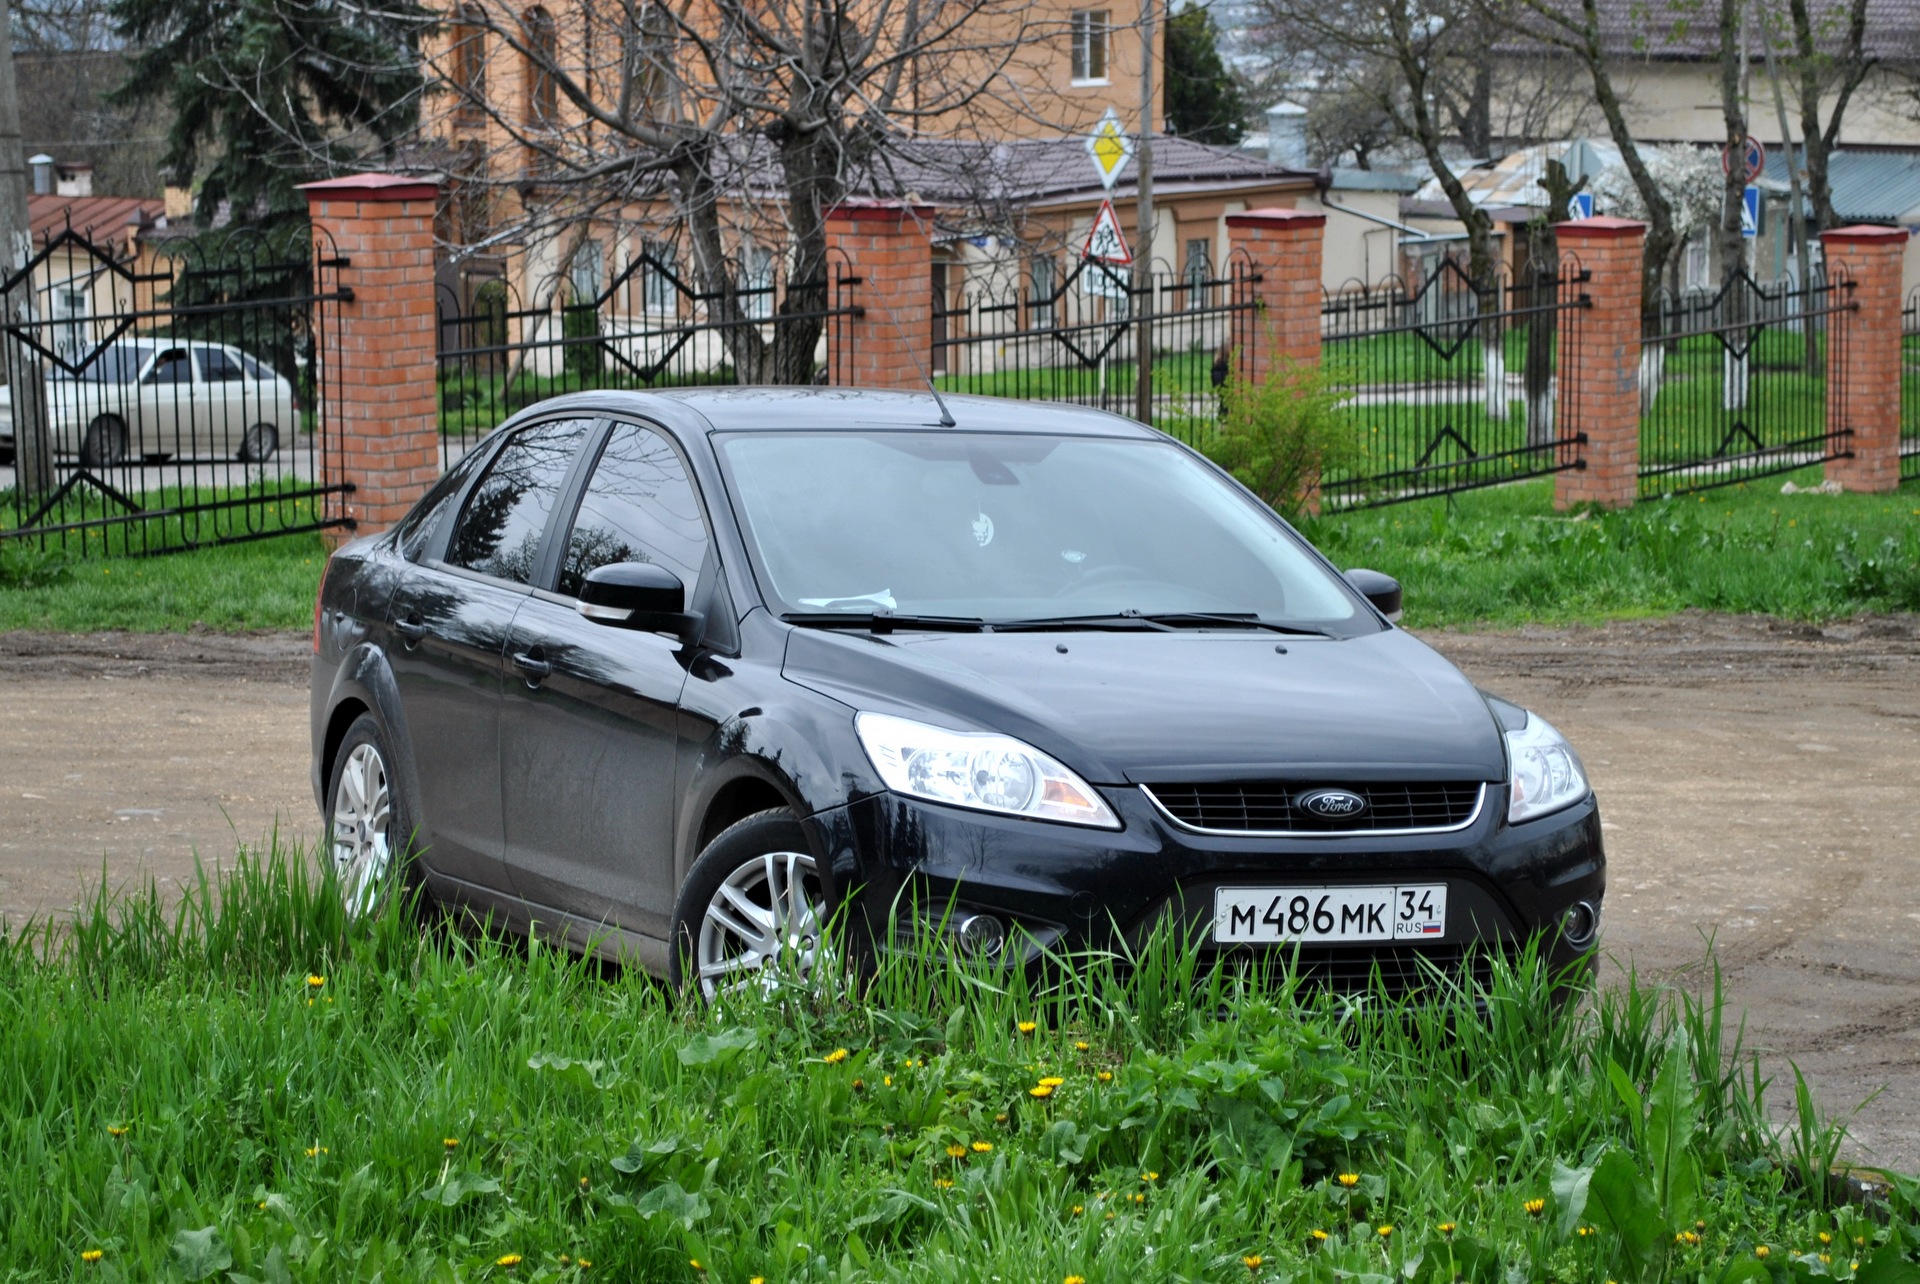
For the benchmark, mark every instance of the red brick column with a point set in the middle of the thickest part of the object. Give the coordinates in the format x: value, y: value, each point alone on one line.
x: 379, y: 405
x: 1283, y: 247
x: 888, y: 247
x: 1863, y: 355
x: 1599, y: 388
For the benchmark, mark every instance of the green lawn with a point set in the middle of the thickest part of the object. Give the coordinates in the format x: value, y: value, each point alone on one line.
x: 246, y: 1089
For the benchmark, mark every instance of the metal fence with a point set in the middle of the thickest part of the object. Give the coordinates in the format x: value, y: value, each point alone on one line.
x: 1910, y: 387
x: 1076, y: 339
x: 1733, y: 382
x: 152, y: 406
x: 1452, y: 384
x: 650, y: 327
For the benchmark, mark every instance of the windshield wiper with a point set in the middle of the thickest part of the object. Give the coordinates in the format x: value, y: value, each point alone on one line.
x: 1161, y: 621
x: 885, y: 621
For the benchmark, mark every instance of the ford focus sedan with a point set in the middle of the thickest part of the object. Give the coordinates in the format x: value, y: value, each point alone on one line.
x: 682, y: 677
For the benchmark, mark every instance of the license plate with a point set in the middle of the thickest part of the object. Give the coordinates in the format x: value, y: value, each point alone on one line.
x: 1268, y: 915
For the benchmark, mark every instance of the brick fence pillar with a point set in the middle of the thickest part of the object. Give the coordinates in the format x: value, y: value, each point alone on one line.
x: 378, y: 403
x: 1599, y: 390
x: 1283, y: 248
x: 887, y: 246
x: 1863, y: 355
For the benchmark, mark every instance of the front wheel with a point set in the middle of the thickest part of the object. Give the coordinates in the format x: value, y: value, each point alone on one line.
x: 258, y: 443
x: 369, y: 825
x: 105, y: 443
x: 753, y: 911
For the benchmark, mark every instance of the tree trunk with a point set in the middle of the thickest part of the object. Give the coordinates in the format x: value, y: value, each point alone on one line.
x: 1732, y: 243
x: 1543, y: 295
x: 32, y: 443
x: 1660, y: 245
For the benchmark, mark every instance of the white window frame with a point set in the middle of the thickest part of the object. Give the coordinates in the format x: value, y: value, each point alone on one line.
x: 1085, y: 25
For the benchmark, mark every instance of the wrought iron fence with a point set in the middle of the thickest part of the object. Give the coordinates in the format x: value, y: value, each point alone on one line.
x: 650, y: 327
x: 1733, y: 382
x: 1020, y: 333
x: 1910, y: 387
x: 1451, y: 384
x: 157, y: 402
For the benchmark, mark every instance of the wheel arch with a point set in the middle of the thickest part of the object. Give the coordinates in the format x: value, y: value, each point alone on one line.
x: 364, y: 684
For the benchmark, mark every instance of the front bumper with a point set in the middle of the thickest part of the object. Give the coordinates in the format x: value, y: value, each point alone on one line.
x: 1074, y: 888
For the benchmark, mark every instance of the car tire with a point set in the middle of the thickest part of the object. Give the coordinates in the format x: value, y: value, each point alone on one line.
x: 736, y: 917
x: 105, y: 443
x: 258, y: 444
x: 369, y: 835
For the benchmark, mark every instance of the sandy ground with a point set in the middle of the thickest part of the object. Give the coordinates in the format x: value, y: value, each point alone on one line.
x: 1760, y: 784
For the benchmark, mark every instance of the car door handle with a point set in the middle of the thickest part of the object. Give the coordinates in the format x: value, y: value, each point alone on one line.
x: 532, y: 665
x: 411, y: 630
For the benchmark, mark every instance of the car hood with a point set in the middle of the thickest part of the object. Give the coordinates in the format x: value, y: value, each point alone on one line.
x: 1143, y: 706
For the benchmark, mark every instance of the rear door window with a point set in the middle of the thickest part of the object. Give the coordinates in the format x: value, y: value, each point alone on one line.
x: 501, y: 528
x: 217, y: 367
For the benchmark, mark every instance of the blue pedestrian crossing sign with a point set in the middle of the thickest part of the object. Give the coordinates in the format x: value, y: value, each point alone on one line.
x: 1581, y: 205
x: 1751, y: 207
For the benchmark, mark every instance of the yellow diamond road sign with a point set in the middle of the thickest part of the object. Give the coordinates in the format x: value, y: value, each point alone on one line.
x: 1111, y: 147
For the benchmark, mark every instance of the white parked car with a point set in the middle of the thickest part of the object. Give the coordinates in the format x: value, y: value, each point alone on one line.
x: 142, y: 398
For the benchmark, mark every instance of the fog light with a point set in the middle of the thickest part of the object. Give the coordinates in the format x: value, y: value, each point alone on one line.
x: 1580, y: 924
x: 980, y: 935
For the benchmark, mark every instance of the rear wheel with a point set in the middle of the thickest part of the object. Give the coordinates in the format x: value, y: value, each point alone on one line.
x: 753, y: 911
x: 258, y: 443
x: 369, y: 824
x: 105, y: 443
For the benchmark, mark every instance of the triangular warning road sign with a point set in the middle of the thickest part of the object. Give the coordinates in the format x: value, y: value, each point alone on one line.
x: 1105, y: 243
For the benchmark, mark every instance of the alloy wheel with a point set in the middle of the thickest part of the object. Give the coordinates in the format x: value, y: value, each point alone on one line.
x: 362, y: 817
x: 764, y: 922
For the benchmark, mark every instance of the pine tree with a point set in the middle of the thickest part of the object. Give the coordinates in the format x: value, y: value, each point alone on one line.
x: 1204, y: 102
x: 266, y: 94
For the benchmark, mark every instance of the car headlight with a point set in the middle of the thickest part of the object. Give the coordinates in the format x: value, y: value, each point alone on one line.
x: 977, y: 769
x: 1545, y: 773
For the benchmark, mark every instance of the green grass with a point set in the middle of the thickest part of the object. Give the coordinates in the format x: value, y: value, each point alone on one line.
x: 245, y: 1087
x: 232, y: 588
x: 1502, y: 556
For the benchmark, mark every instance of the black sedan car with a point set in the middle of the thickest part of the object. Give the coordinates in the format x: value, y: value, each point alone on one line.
x: 681, y: 675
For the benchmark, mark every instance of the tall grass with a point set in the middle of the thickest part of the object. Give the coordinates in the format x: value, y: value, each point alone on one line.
x: 245, y: 1086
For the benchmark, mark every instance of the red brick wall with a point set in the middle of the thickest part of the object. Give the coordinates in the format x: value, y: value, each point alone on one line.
x: 1599, y: 390
x: 379, y: 400
x: 889, y: 247
x: 1863, y: 356
x: 1283, y: 247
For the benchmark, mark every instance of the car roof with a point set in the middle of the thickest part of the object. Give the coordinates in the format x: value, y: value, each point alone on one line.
x: 733, y: 409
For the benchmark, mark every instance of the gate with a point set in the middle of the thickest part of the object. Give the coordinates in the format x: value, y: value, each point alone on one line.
x: 1733, y: 382
x: 648, y: 328
x: 1076, y: 339
x: 179, y: 402
x: 1910, y: 388
x: 1453, y: 384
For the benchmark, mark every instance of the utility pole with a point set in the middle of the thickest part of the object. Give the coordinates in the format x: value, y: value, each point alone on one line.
x: 1143, y: 223
x: 32, y: 447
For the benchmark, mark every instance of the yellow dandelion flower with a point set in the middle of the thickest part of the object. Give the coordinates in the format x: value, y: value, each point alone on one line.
x: 1109, y: 1216
x: 1853, y: 1266
x: 1317, y: 1236
x: 1384, y: 1231
x: 1446, y: 1228
x: 859, y: 1085
x: 1860, y: 1241
x: 1252, y: 1261
x: 116, y: 1130
x: 1027, y: 1027
x: 835, y: 1057
x: 1079, y: 1209
x: 1074, y: 1279
x: 92, y: 1255
x: 1349, y: 1180
x: 316, y: 981
x: 1040, y: 1090
x: 262, y: 1205
x: 944, y: 1183
x: 956, y: 1151
x: 1052, y: 1081
x: 1080, y: 1046
x: 586, y: 1184
x: 1535, y: 1207
x: 1826, y: 1259
x: 1584, y: 1231
x: 1000, y: 1118
x: 451, y: 1143
x: 314, y: 1152
x: 1105, y: 1076
x: 886, y: 1081
x: 1762, y: 1252
x: 982, y: 1147
x: 1699, y: 1225
x: 694, y: 1262
x: 507, y: 1259
x: 1137, y: 1198
x: 565, y: 1260
x: 584, y: 1264
x: 1149, y: 1176
x: 1825, y: 1238
x: 758, y: 1279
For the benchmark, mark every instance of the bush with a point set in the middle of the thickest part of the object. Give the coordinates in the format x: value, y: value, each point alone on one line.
x: 1280, y: 435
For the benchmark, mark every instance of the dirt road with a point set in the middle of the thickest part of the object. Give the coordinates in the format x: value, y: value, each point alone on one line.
x: 1760, y: 784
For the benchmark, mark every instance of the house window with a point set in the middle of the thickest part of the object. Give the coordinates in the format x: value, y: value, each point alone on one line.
x: 71, y: 306
x: 1696, y: 269
x: 543, y: 52
x: 657, y: 291
x: 756, y: 282
x: 1197, y: 272
x: 1045, y: 284
x: 1090, y: 44
x: 469, y: 62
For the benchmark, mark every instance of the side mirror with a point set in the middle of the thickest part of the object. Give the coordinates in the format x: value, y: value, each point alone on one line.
x: 1381, y: 590
x: 640, y: 596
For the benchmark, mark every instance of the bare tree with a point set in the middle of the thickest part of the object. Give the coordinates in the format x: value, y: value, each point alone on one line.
x: 1822, y: 66
x: 726, y: 120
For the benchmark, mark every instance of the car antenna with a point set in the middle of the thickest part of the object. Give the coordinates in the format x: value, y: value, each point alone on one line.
x: 946, y: 416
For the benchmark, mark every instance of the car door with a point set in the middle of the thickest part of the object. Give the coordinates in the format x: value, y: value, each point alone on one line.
x: 164, y: 424
x: 450, y: 616
x: 589, y: 720
x: 219, y: 402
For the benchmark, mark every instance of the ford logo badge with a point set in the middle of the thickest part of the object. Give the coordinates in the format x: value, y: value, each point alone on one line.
x: 1331, y: 804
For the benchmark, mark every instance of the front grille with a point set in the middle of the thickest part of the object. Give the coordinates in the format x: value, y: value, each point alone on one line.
x: 1350, y: 969
x: 1271, y: 806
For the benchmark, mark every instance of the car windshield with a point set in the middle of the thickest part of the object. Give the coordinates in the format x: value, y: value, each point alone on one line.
x: 1015, y: 528
x: 115, y: 363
